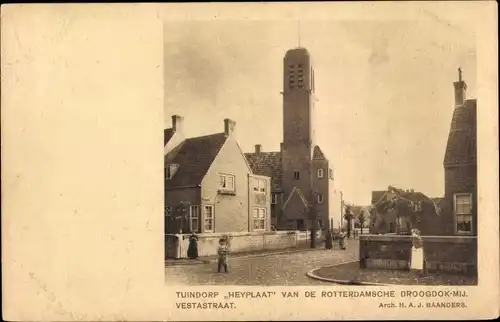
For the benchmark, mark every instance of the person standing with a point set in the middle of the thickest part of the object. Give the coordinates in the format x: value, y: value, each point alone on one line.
x: 417, y: 252
x: 343, y: 240
x: 222, y: 255
x: 193, y: 246
x: 329, y: 239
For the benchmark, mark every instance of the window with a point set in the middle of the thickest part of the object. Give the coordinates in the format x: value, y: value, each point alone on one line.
x: 276, y: 198
x: 320, y: 173
x: 330, y: 173
x: 194, y: 218
x: 208, y: 218
x: 296, y: 175
x: 170, y: 171
x: 260, y: 186
x: 463, y: 212
x: 320, y: 198
x: 259, y: 219
x: 227, y: 182
x: 168, y: 211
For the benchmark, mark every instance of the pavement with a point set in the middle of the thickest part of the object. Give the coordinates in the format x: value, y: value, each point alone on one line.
x: 352, y: 274
x: 283, y: 268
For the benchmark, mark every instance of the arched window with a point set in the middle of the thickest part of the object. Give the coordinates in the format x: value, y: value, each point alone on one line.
x: 320, y: 173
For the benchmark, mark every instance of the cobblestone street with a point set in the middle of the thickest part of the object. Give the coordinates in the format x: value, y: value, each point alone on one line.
x: 279, y: 269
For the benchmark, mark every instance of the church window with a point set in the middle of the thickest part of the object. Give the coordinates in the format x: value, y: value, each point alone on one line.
x: 296, y: 175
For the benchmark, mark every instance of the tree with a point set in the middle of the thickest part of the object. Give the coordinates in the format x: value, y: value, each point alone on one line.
x: 362, y: 219
x: 348, y: 216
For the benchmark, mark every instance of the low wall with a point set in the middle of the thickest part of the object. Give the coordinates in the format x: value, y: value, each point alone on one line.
x: 176, y: 246
x: 457, y: 254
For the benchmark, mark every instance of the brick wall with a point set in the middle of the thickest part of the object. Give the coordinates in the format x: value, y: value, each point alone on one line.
x: 173, y: 199
x: 444, y: 253
x: 459, y: 179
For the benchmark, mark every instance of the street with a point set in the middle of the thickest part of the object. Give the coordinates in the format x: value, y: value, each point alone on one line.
x: 279, y: 269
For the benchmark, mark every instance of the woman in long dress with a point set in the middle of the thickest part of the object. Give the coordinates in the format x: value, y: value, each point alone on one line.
x: 328, y: 239
x: 417, y: 252
x: 343, y: 240
x: 193, y: 246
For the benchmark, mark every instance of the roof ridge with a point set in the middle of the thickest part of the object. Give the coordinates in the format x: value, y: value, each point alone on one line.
x: 205, y: 136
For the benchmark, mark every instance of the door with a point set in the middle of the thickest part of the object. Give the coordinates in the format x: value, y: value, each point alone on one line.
x: 300, y: 224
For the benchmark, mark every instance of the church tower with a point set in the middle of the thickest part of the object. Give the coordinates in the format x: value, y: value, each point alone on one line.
x: 298, y: 132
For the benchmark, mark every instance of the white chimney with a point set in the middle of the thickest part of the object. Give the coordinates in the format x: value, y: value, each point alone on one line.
x: 460, y: 90
x: 177, y: 123
x: 229, y: 126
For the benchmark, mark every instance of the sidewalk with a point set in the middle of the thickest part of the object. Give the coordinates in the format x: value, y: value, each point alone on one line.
x: 248, y: 254
x: 351, y: 274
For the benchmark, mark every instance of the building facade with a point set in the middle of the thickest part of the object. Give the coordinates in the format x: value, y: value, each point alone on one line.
x: 210, y: 188
x: 460, y: 166
x: 302, y: 175
x: 399, y: 211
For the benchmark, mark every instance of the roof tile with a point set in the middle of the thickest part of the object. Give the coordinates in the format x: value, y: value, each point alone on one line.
x: 461, y: 145
x: 266, y: 164
x: 194, y: 157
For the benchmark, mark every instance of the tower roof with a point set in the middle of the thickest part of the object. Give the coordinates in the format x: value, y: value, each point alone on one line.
x: 297, y: 51
x: 461, y: 145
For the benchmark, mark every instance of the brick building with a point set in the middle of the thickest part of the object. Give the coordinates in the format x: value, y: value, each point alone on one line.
x: 209, y: 186
x: 460, y: 166
x: 301, y: 173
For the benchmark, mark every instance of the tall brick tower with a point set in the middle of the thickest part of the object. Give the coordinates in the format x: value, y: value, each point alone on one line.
x: 298, y: 132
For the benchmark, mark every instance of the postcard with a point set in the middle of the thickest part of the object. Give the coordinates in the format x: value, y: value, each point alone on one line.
x: 250, y: 161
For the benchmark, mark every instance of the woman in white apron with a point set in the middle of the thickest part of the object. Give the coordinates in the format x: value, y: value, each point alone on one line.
x: 417, y: 252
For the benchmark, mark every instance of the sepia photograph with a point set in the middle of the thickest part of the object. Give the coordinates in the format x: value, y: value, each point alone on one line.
x: 315, y: 152
x: 320, y: 161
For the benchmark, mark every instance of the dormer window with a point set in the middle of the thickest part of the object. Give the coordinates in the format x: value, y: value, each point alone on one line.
x: 170, y: 171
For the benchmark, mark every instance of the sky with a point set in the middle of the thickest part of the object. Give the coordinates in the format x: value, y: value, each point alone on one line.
x: 384, y: 89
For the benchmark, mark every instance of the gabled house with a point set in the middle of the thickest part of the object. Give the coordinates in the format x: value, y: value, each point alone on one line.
x: 460, y: 166
x: 210, y: 188
x: 399, y: 211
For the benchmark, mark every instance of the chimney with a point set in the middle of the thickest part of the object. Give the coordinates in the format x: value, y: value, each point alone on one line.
x: 460, y: 90
x: 257, y: 148
x: 177, y: 123
x: 229, y: 126
x: 412, y: 190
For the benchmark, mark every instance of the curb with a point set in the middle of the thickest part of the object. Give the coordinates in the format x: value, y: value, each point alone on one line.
x: 214, y: 260
x: 311, y: 274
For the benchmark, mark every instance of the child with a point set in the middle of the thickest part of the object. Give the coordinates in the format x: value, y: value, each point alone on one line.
x: 222, y: 255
